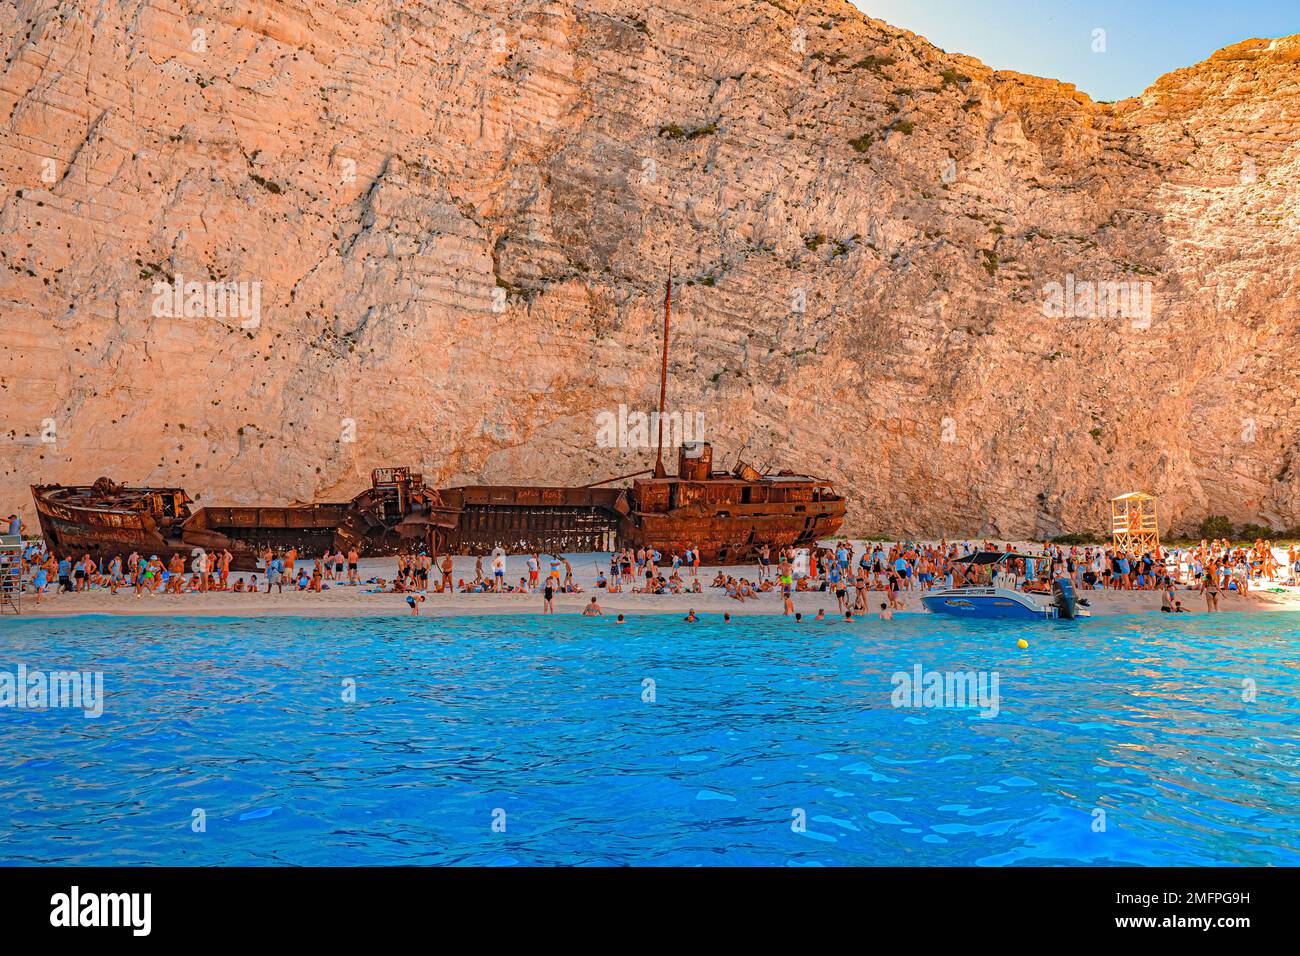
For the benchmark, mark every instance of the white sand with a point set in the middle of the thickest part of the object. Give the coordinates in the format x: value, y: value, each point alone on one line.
x: 352, y: 601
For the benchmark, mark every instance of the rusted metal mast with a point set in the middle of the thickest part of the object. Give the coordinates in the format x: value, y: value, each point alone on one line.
x: 660, y: 472
x: 606, y: 481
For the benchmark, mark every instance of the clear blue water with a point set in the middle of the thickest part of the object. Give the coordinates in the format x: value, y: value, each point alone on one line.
x: 544, y: 719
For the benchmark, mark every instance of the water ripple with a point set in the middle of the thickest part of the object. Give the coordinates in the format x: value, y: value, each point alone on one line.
x: 540, y: 741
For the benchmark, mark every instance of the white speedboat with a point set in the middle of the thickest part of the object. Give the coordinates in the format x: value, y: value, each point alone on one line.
x: 1001, y: 599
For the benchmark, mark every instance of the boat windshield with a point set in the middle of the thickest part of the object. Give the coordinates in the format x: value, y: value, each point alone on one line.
x: 983, y: 568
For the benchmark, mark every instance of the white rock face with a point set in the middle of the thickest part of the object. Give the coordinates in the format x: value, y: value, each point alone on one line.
x: 453, y: 223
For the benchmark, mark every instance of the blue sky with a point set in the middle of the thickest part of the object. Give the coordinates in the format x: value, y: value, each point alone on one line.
x: 1144, y: 38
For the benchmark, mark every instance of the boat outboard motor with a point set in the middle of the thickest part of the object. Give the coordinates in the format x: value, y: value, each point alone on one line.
x: 1066, y: 603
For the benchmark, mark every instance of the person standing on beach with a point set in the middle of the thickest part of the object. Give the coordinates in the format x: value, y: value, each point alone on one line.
x: 353, y: 559
x: 548, y: 596
x: 275, y: 575
x: 175, y: 574
x: 114, y: 574
x: 892, y: 589
x: 40, y: 580
x: 1210, y: 588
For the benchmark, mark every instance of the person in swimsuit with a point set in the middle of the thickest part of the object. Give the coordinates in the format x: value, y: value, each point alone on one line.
x: 548, y: 596
x: 1210, y: 587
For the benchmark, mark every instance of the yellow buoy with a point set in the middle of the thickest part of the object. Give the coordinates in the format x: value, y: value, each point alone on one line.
x: 1022, y: 644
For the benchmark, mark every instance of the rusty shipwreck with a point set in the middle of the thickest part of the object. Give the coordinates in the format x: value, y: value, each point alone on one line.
x: 105, y: 519
x: 727, y: 515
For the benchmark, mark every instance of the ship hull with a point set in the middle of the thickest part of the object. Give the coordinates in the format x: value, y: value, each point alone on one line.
x: 733, y: 538
x: 77, y: 531
x: 987, y: 604
x: 728, y: 519
x: 106, y: 520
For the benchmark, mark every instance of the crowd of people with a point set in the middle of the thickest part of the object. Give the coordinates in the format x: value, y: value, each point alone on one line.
x: 1210, y: 568
x: 851, y: 573
x: 42, y: 572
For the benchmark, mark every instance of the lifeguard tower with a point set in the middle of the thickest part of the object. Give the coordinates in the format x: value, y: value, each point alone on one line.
x: 1133, y: 522
x: 11, y: 581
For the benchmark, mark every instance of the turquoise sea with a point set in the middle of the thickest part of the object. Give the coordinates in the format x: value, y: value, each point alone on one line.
x: 522, y: 740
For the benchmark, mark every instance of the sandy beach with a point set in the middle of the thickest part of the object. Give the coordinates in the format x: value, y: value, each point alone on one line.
x: 349, y: 600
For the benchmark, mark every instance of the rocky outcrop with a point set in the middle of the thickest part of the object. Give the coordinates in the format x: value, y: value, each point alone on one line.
x: 977, y: 300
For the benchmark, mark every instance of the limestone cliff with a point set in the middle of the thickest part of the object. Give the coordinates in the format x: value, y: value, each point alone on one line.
x: 451, y: 222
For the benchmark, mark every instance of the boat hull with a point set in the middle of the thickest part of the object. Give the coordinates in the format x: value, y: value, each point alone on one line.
x: 999, y: 604
x: 71, y: 531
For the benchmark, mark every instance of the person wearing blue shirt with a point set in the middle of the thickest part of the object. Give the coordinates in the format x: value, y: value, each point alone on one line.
x: 904, y: 571
x: 275, y: 575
